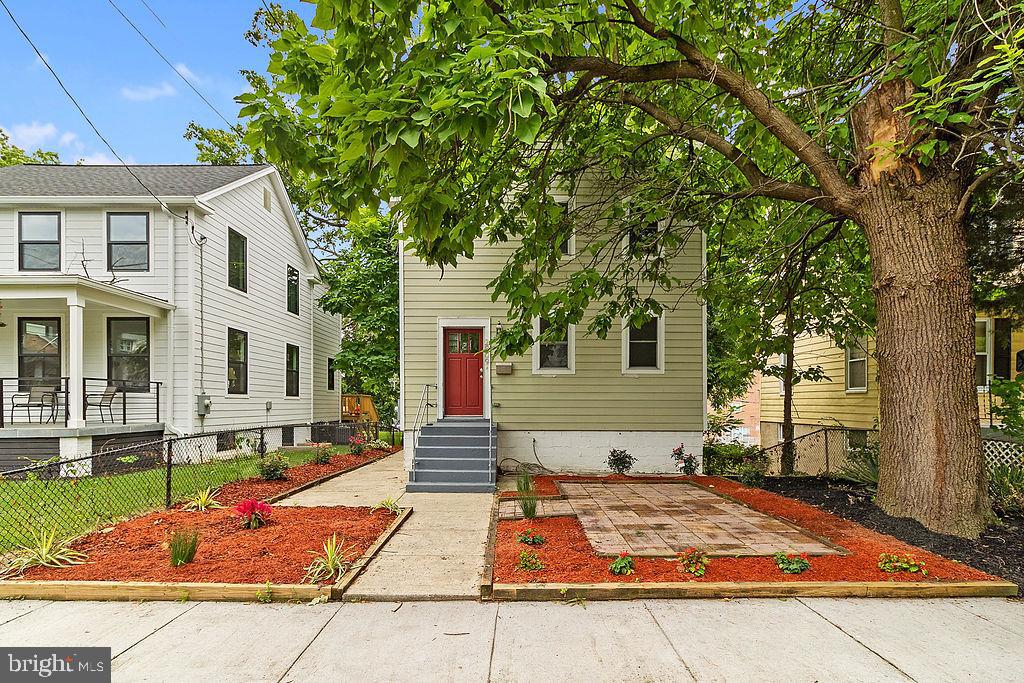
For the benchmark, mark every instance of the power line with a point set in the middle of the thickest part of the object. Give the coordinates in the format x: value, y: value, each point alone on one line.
x: 173, y: 68
x: 153, y: 12
x: 85, y: 116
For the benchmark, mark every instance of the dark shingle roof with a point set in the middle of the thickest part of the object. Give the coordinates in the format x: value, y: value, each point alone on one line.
x: 41, y: 180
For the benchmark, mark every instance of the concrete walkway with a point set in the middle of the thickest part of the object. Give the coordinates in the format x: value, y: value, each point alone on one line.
x: 437, y: 554
x: 649, y: 640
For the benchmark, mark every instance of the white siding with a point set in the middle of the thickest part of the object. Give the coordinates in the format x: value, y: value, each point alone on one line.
x: 326, y: 339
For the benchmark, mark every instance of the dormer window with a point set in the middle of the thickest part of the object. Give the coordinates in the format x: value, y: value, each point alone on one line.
x: 39, y: 241
x: 127, y: 241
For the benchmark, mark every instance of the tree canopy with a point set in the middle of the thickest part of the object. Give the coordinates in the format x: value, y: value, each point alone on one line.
x: 11, y: 154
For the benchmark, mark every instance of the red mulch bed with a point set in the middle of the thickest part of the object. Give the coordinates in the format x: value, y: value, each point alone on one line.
x: 135, y: 550
x: 568, y: 557
x: 260, y: 489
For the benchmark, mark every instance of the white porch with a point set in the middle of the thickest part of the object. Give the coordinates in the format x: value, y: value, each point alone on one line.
x: 76, y: 352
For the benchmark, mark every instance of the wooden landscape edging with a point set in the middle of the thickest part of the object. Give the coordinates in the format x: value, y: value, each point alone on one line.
x: 487, y: 576
x: 316, y: 482
x: 151, y: 590
x: 759, y: 589
x: 342, y: 585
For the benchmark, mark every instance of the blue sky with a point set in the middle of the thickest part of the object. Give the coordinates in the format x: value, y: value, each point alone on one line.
x: 136, y: 100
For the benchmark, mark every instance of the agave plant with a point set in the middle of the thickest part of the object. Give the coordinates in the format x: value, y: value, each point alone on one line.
x: 389, y: 504
x: 204, y: 500
x: 332, y: 563
x: 44, y: 550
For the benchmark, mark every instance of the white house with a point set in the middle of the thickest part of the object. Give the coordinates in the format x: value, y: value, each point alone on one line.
x: 154, y: 299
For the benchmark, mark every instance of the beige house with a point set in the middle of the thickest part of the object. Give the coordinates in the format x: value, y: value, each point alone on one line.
x: 850, y: 397
x: 564, y: 404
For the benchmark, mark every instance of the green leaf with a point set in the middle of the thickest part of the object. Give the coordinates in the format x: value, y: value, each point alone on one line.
x: 354, y: 151
x: 527, y: 129
x: 411, y: 136
x: 522, y: 104
x: 388, y: 7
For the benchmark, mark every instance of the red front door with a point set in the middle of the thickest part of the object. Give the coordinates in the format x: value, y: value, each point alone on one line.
x: 463, y: 371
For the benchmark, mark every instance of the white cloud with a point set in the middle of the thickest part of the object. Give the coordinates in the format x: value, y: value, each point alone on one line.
x: 70, y: 140
x: 148, y: 93
x: 187, y: 73
x: 33, y: 135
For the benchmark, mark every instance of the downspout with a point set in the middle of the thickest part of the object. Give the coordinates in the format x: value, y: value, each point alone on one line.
x: 169, y: 323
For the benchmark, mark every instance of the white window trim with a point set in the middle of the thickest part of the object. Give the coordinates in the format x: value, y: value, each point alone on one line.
x: 856, y: 390
x: 782, y: 380
x: 62, y: 241
x: 660, y: 370
x: 150, y: 246
x: 227, y: 260
x: 989, y: 348
x: 570, y: 203
x: 570, y: 338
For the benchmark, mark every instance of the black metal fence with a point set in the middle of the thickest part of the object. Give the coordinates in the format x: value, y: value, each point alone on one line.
x: 76, y: 495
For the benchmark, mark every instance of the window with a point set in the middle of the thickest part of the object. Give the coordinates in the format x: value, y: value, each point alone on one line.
x: 293, y: 290
x: 291, y: 370
x: 127, y: 241
x: 982, y: 352
x: 238, y: 362
x: 330, y: 374
x: 567, y: 247
x: 641, y: 238
x: 237, y: 275
x: 553, y: 355
x: 128, y: 353
x: 39, y: 241
x: 857, y: 366
x: 643, y: 347
x: 38, y: 352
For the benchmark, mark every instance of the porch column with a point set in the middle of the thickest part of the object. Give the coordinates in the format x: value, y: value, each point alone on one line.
x: 76, y: 360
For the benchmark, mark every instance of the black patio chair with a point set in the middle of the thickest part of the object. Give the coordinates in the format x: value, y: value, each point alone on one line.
x: 101, y: 401
x: 40, y: 396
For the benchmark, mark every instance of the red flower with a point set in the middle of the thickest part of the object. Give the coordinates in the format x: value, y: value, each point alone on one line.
x: 253, y: 513
x: 623, y: 554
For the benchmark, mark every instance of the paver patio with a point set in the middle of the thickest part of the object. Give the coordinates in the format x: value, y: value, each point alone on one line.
x: 660, y: 519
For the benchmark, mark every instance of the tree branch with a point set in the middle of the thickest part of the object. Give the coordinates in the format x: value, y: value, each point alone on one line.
x: 760, y: 184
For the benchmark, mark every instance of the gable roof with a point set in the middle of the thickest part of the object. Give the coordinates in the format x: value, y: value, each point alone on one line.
x: 186, y: 180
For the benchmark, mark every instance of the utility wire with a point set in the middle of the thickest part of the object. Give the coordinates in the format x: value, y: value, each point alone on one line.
x: 95, y: 129
x: 173, y: 68
x: 153, y: 12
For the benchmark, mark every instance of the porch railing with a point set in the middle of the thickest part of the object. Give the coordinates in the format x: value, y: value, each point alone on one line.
x: 47, y: 397
x: 129, y: 399
x: 422, y: 418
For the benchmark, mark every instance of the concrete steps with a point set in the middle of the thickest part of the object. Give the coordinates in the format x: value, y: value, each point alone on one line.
x: 455, y: 455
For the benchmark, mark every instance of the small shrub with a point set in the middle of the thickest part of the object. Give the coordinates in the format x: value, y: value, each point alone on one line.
x: 751, y: 474
x: 620, y: 461
x: 203, y: 501
x: 1006, y: 486
x: 529, y: 561
x: 272, y: 467
x: 861, y: 465
x: 524, y: 482
x: 252, y: 513
x: 693, y: 561
x: 44, y: 550
x: 725, y: 459
x: 389, y: 504
x: 528, y: 504
x: 622, y: 565
x: 356, y: 444
x: 332, y: 563
x: 685, y: 462
x: 530, y: 537
x: 792, y: 564
x: 183, y: 546
x: 379, y: 445
x: 322, y: 453
x: 891, y: 563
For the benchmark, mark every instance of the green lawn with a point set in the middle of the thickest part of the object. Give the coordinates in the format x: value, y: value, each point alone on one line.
x: 75, y: 506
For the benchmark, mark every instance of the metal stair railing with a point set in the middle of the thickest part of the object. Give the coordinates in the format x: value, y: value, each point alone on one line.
x: 422, y: 418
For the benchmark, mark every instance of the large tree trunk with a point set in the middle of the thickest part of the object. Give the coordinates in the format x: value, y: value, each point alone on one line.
x: 930, y: 465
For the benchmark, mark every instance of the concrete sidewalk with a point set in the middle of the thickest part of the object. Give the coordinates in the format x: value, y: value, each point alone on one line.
x: 648, y: 640
x: 438, y: 553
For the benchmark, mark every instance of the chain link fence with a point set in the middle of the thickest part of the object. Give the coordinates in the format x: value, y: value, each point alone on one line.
x: 75, y: 495
x: 842, y: 452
